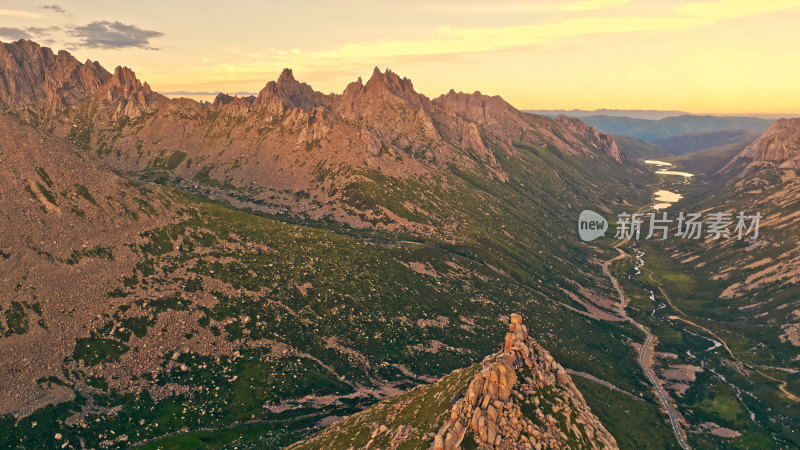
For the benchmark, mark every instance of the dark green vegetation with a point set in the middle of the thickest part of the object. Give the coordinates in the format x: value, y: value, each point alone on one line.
x: 95, y: 350
x: 16, y: 319
x: 425, y: 407
x: 168, y: 161
x: 635, y: 422
x: 725, y: 392
x: 96, y: 252
x: 746, y: 380
x: 356, y: 308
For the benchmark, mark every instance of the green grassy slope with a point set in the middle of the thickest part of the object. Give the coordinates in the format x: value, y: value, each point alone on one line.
x: 323, y: 317
x: 740, y: 293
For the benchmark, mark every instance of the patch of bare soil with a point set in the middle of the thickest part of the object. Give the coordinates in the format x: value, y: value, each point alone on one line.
x: 716, y: 430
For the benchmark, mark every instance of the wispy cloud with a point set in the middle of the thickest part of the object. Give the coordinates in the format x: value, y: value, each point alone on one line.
x: 54, y: 8
x: 453, y: 40
x: 528, y: 7
x: 729, y: 9
x: 19, y: 13
x: 14, y: 33
x: 112, y: 35
x: 42, y: 31
x: 593, y: 5
x: 458, y: 40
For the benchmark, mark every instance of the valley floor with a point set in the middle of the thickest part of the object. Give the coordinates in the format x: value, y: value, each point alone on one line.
x: 712, y: 391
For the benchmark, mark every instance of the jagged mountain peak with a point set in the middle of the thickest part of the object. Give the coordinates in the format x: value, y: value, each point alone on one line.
x: 128, y: 94
x: 390, y: 81
x: 479, y: 106
x: 506, y: 124
x: 125, y: 79
x: 286, y: 76
x: 287, y: 93
x: 375, y: 122
x: 31, y: 74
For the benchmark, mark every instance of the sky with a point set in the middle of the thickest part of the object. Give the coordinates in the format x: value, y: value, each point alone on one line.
x: 713, y: 56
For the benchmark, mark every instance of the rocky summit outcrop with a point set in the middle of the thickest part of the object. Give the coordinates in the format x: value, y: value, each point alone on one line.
x: 522, y: 399
x: 287, y: 93
x: 517, y: 398
x: 128, y: 96
x: 31, y: 74
x: 779, y: 145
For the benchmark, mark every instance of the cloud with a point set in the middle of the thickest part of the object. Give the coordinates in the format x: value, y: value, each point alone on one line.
x: 54, y: 8
x: 42, y: 31
x: 19, y: 13
x: 449, y: 40
x: 110, y: 35
x: 527, y: 7
x: 13, y: 33
x: 593, y: 5
x: 731, y: 9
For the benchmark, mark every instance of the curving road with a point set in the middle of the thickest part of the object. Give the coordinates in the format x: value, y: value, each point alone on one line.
x: 646, y: 353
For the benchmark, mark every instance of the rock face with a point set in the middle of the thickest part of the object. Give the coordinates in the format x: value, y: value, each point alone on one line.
x: 287, y: 93
x: 289, y: 139
x: 505, y: 124
x: 522, y: 398
x: 32, y: 74
x: 603, y: 141
x: 127, y: 95
x: 779, y: 145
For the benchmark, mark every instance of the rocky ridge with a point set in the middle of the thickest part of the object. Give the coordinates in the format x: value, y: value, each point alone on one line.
x: 504, y: 123
x: 779, y: 146
x: 285, y: 138
x: 517, y: 398
x: 33, y: 75
x: 504, y: 406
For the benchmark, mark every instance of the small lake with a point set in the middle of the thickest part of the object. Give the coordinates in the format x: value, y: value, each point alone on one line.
x: 663, y: 198
x: 666, y: 170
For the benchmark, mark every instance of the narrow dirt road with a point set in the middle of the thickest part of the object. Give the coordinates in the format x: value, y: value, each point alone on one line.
x: 648, y: 348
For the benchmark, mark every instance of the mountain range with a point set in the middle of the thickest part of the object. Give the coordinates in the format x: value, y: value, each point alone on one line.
x: 249, y: 271
x: 295, y: 251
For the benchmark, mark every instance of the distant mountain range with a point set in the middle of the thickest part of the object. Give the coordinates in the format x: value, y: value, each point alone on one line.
x: 674, y: 132
x: 701, y: 140
x: 654, y: 130
x: 649, y: 114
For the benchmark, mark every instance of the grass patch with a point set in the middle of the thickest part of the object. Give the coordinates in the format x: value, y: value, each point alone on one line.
x: 93, y: 350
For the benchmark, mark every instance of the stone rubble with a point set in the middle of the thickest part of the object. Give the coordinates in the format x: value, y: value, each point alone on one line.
x: 496, y: 409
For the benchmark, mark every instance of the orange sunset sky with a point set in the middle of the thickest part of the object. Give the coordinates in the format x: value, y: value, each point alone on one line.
x: 718, y: 56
